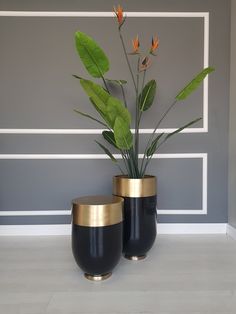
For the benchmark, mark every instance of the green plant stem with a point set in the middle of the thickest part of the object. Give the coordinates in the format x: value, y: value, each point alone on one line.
x: 153, y: 134
x: 164, y: 115
x: 131, y: 171
x: 141, y: 112
x: 133, y: 163
x: 120, y: 169
x: 145, y: 167
x: 104, y: 82
x: 127, y: 59
x: 125, y: 162
x: 123, y: 93
x: 136, y: 146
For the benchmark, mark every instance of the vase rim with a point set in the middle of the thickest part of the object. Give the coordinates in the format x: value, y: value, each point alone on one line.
x: 123, y: 176
x: 134, y: 187
x: 97, y: 210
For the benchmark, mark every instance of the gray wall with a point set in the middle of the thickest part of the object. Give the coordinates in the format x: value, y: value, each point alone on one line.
x: 37, y: 58
x: 232, y: 128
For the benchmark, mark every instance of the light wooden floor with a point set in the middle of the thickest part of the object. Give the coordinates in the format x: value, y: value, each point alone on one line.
x: 182, y: 274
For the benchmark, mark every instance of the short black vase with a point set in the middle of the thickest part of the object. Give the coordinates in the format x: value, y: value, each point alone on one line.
x: 97, y: 229
x: 139, y: 214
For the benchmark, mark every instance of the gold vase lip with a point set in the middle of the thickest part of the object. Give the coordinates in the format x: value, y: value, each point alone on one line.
x: 134, y: 187
x: 97, y: 210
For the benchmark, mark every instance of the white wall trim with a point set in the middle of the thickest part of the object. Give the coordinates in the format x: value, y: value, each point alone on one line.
x: 231, y: 231
x: 92, y: 131
x: 47, y: 212
x: 165, y: 228
x: 204, y: 15
x: 203, y: 156
x: 96, y: 156
x: 99, y: 14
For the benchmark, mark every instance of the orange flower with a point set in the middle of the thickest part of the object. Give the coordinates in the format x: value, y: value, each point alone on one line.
x: 119, y: 14
x: 145, y: 63
x: 136, y: 45
x: 155, y: 44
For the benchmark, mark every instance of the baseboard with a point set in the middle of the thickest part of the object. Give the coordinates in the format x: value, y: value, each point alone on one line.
x: 231, y: 231
x: 164, y: 228
x: 192, y: 228
x: 34, y: 230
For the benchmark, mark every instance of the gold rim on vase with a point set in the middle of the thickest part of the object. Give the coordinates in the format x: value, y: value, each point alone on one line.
x: 129, y: 187
x: 97, y: 211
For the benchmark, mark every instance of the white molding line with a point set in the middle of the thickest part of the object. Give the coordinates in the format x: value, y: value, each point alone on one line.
x: 204, y: 15
x: 96, y: 156
x: 231, y: 231
x: 203, y: 210
x: 203, y: 156
x: 17, y: 213
x: 91, y: 131
x: 98, y: 14
x: 164, y: 228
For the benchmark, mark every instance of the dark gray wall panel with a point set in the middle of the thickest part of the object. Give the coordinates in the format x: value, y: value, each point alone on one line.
x: 52, y: 184
x: 45, y: 92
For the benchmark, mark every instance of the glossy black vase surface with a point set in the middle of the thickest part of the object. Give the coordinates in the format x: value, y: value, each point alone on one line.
x: 97, y: 229
x: 139, y: 214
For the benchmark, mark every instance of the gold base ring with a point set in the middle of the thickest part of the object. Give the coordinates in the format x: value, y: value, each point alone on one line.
x: 135, y: 258
x: 97, y: 277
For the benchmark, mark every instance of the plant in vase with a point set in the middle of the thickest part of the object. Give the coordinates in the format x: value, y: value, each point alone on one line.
x: 137, y: 188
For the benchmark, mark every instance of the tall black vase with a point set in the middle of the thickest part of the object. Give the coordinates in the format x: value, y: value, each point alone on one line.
x: 97, y: 229
x: 139, y: 214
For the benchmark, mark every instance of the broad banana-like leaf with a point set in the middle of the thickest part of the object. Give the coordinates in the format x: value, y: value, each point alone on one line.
x: 92, y: 56
x: 90, y: 117
x: 97, y: 108
x: 147, y: 95
x: 97, y: 95
x: 194, y: 84
x: 107, y: 152
x: 116, y: 108
x: 153, y: 147
x: 122, y: 133
x: 108, y: 107
x: 109, y: 137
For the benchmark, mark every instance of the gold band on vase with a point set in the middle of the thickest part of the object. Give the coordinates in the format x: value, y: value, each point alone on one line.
x: 97, y: 211
x: 128, y: 187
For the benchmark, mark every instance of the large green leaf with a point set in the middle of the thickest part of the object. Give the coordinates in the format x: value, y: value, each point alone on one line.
x: 108, y: 107
x: 115, y: 108
x: 153, y: 147
x: 97, y: 95
x: 194, y: 84
x: 90, y: 117
x: 147, y: 95
x: 122, y: 133
x: 95, y: 91
x: 92, y: 56
x: 107, y: 152
x: 109, y: 137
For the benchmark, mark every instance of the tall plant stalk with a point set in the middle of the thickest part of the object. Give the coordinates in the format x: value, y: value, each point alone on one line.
x: 114, y: 113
